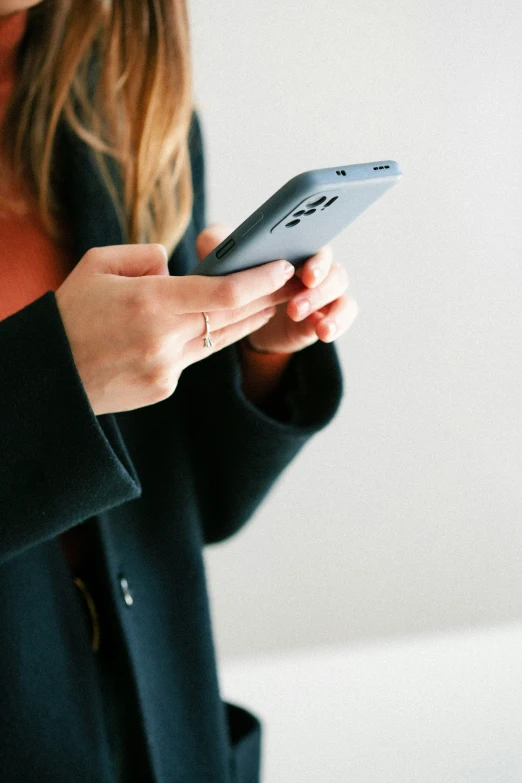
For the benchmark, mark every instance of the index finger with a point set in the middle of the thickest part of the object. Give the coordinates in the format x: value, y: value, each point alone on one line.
x: 316, y: 268
x: 204, y: 293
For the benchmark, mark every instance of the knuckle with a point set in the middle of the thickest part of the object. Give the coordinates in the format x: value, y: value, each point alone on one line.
x: 91, y: 254
x: 159, y: 382
x: 88, y: 255
x: 151, y: 348
x: 165, y: 387
x: 141, y: 305
x: 229, y: 294
x: 134, y: 303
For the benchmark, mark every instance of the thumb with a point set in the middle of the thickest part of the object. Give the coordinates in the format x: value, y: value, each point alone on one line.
x: 210, y: 238
x: 134, y: 260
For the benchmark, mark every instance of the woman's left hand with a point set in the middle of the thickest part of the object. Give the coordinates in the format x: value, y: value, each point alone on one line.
x: 319, y: 281
x: 318, y: 311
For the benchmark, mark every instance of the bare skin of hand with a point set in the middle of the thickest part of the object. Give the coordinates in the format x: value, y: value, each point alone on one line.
x: 133, y: 328
x: 319, y: 284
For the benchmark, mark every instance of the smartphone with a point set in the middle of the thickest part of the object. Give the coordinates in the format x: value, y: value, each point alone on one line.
x: 301, y: 217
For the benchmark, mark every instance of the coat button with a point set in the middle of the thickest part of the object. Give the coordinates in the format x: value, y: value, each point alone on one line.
x: 127, y: 595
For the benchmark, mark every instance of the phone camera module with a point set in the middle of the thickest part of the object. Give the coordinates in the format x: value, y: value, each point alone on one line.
x: 316, y: 203
x: 309, y: 206
x: 331, y: 201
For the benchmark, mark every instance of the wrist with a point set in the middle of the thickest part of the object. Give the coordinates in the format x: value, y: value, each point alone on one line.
x: 262, y: 373
x: 248, y: 344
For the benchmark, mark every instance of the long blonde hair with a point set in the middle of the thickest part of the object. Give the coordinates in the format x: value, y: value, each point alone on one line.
x: 137, y: 111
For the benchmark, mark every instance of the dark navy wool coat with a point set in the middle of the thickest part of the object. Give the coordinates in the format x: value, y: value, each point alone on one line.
x: 153, y: 486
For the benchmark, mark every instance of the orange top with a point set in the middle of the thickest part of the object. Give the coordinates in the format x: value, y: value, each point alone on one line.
x: 30, y: 263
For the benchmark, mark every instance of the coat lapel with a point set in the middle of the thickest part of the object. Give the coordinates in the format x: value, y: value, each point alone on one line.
x: 92, y: 216
x: 89, y: 208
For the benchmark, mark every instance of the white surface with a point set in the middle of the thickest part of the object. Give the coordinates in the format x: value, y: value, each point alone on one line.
x: 405, y: 515
x: 445, y: 708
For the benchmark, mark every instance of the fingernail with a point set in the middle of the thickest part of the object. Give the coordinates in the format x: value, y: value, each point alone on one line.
x: 288, y: 269
x: 331, y: 329
x: 302, y: 307
x: 316, y: 273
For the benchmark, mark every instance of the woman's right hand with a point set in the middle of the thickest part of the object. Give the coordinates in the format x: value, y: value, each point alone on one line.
x: 133, y: 328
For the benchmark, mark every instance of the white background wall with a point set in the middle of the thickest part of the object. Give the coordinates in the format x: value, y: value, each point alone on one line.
x: 443, y: 707
x: 404, y: 515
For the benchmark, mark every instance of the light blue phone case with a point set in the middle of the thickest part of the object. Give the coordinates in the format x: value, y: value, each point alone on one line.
x: 301, y: 217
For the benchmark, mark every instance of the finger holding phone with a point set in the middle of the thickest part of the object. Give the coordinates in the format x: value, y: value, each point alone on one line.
x: 320, y: 311
x: 296, y: 223
x: 319, y: 283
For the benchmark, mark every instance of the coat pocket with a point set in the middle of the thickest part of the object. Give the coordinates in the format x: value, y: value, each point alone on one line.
x: 245, y: 744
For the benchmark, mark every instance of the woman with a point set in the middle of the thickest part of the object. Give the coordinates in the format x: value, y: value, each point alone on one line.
x: 128, y: 440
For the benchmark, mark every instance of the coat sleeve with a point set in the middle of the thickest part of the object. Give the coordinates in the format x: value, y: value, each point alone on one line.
x: 59, y: 462
x: 237, y: 451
